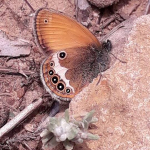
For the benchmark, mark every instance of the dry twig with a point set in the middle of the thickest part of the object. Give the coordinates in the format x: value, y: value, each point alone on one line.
x: 147, y: 8
x: 15, y: 71
x: 21, y: 116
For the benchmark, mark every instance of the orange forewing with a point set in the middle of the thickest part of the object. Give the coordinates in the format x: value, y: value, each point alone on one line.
x: 55, y: 31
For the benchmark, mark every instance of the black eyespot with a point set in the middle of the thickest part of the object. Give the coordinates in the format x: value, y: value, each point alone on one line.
x: 51, y: 72
x: 60, y: 86
x: 51, y: 63
x: 45, y: 21
x: 55, y: 79
x: 62, y: 55
x: 67, y: 90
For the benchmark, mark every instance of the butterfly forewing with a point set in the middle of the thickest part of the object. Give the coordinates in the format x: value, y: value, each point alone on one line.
x: 55, y: 31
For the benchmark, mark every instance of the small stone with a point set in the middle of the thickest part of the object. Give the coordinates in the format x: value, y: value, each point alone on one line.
x: 122, y: 98
x: 102, y: 3
x: 29, y: 127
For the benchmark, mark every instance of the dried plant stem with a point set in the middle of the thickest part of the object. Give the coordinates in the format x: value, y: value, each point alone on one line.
x: 15, y: 71
x: 29, y: 5
x: 147, y: 8
x: 108, y: 21
x: 21, y: 116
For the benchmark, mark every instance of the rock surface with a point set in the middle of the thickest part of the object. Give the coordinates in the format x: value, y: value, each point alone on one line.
x: 102, y: 3
x: 122, y: 98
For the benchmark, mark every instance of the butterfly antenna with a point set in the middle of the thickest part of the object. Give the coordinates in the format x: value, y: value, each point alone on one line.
x: 29, y: 5
x: 117, y: 58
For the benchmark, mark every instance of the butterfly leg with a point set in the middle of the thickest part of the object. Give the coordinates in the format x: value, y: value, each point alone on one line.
x: 54, y: 108
x: 100, y: 76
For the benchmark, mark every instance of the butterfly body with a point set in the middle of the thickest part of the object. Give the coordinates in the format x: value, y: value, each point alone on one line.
x: 74, y: 55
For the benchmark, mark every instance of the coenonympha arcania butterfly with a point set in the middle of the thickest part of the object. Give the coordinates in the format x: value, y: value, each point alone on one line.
x: 74, y: 55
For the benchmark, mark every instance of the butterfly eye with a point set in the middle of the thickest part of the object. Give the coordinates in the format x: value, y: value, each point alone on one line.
x: 55, y: 79
x: 62, y: 55
x: 51, y: 63
x: 68, y: 90
x: 60, y: 86
x: 45, y: 21
x: 51, y: 72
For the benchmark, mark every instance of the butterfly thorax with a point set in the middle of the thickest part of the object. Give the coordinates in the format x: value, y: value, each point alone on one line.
x: 101, y: 56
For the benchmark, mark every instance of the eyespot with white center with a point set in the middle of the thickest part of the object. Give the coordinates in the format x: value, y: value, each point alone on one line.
x: 45, y: 20
x: 55, y: 79
x: 62, y: 55
x: 51, y: 72
x: 60, y: 86
x: 68, y: 90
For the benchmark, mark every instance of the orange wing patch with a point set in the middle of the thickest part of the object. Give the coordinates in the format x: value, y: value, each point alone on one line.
x: 55, y: 31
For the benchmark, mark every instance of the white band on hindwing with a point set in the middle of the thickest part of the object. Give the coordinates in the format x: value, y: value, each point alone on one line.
x: 61, y: 71
x: 62, y: 100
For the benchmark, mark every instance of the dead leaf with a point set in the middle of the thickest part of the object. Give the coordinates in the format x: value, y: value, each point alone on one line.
x: 13, y: 48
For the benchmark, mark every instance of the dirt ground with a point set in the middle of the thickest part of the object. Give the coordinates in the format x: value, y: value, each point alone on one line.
x: 19, y: 71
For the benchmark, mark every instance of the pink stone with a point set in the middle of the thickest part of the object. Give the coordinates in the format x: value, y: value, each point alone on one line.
x: 122, y: 98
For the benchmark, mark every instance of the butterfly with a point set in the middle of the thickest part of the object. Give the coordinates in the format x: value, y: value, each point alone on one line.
x: 74, y: 56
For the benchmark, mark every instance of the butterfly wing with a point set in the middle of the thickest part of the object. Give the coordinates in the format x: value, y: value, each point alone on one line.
x: 73, y: 73
x: 55, y: 31
x: 73, y: 52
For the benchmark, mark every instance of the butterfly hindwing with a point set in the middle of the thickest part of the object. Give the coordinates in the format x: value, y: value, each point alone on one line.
x: 74, y: 71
